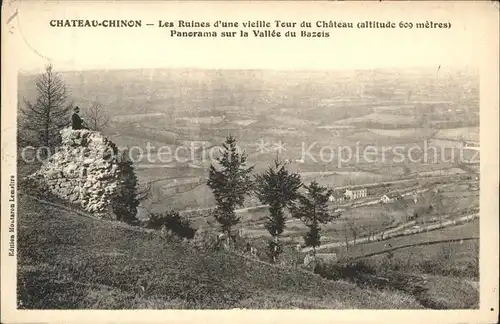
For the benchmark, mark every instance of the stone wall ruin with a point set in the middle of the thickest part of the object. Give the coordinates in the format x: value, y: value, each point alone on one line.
x: 87, y: 170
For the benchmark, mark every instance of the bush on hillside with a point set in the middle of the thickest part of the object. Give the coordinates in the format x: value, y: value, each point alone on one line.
x: 34, y: 188
x: 274, y: 249
x: 205, y: 240
x: 344, y: 270
x: 172, y: 221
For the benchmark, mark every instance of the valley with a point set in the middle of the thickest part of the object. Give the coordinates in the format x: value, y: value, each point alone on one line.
x: 372, y: 129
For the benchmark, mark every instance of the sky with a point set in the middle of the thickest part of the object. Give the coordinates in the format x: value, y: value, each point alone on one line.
x: 35, y: 43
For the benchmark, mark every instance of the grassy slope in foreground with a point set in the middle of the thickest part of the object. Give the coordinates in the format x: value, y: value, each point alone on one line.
x: 68, y: 261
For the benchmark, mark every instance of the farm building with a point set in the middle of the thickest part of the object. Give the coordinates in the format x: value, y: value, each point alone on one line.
x: 355, y: 193
x: 390, y: 197
x: 337, y: 196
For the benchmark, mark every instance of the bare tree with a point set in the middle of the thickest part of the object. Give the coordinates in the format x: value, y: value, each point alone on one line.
x: 370, y: 232
x: 354, y: 229
x: 347, y: 235
x: 96, y: 116
x: 346, y: 239
x: 437, y: 204
x: 49, y: 113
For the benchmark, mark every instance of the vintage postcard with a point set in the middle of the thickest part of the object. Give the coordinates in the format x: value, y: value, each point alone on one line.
x: 224, y: 162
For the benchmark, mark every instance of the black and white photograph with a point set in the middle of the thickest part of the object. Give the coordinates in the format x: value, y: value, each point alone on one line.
x: 140, y: 184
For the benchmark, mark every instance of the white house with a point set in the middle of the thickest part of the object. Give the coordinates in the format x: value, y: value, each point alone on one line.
x: 355, y: 194
x: 390, y: 197
x: 337, y: 196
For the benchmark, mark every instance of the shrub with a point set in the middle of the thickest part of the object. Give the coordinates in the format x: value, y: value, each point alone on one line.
x: 468, y: 268
x: 173, y: 222
x: 35, y: 188
x: 205, y: 240
x: 347, y: 270
x: 274, y: 249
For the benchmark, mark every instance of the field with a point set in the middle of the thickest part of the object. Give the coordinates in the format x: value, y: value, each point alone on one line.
x: 464, y: 134
x: 380, y: 118
x: 66, y: 261
x: 460, y: 198
x: 409, y: 132
x: 468, y: 230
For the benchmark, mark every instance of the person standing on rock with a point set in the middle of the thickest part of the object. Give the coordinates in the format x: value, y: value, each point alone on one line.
x: 76, y: 121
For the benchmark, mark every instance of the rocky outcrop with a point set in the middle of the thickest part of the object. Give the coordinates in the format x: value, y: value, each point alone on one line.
x: 88, y: 170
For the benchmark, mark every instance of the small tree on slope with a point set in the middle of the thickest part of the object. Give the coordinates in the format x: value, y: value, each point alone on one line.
x: 48, y: 114
x: 279, y: 189
x: 313, y: 211
x: 96, y: 116
x: 230, y: 184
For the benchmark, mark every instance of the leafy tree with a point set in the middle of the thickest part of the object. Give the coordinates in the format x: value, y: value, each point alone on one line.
x: 313, y: 211
x: 230, y: 183
x: 96, y: 117
x: 279, y: 189
x: 48, y: 114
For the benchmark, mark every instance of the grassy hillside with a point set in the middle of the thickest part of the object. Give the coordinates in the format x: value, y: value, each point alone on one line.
x: 441, y: 276
x: 73, y: 262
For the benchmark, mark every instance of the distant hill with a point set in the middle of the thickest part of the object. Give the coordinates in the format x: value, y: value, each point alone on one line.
x: 185, y: 92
